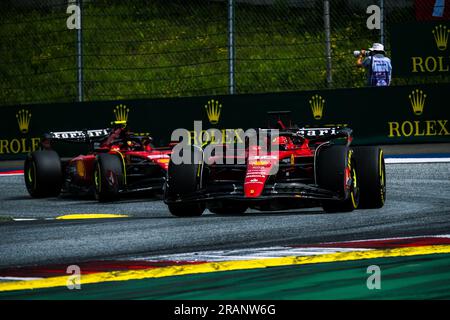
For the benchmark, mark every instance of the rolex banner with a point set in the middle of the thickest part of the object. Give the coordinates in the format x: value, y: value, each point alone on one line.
x: 421, y: 49
x: 390, y: 115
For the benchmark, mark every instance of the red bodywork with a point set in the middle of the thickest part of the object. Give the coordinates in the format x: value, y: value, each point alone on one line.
x: 84, y: 164
x: 259, y: 169
x: 259, y: 166
x: 275, y: 169
x: 145, y: 166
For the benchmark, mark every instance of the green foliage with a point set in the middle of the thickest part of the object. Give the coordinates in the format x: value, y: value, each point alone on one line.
x: 140, y: 49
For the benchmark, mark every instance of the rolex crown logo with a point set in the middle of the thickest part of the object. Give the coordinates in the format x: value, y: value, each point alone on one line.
x: 213, y: 108
x: 23, y: 119
x: 441, y: 33
x: 121, y: 113
x: 317, y: 104
x: 417, y: 99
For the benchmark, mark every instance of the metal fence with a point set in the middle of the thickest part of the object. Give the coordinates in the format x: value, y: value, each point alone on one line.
x: 168, y: 48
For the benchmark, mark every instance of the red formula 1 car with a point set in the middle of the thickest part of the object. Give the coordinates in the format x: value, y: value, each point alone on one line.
x: 119, y: 161
x: 314, y: 167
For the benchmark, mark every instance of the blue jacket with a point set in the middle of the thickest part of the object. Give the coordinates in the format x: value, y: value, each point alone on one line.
x: 379, y: 70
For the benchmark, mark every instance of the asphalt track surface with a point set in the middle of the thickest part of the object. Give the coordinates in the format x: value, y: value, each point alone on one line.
x: 418, y: 203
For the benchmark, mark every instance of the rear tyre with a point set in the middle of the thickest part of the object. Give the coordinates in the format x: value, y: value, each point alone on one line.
x: 336, y: 171
x: 183, y: 180
x: 108, y: 177
x: 43, y: 174
x: 372, y: 177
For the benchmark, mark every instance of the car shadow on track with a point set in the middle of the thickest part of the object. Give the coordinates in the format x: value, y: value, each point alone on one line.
x: 84, y: 199
x: 129, y: 198
x: 255, y: 213
x: 15, y: 198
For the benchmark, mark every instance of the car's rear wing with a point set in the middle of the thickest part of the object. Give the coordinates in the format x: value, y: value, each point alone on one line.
x: 80, y: 136
x: 321, y: 134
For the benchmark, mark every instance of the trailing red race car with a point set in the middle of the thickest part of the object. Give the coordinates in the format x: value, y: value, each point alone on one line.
x: 119, y: 161
x: 314, y: 167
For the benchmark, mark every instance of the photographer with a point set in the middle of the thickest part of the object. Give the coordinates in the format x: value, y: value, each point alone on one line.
x: 379, y: 68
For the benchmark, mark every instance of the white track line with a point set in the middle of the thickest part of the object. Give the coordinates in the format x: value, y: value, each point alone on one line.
x: 269, y: 252
x: 248, y: 254
x: 415, y: 160
x: 18, y: 278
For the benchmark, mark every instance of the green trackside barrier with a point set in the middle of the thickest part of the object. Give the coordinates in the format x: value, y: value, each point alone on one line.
x: 430, y: 58
x: 394, y: 115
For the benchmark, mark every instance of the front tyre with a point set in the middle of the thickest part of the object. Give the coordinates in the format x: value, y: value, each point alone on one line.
x: 108, y: 177
x: 183, y: 180
x: 43, y: 174
x: 337, y: 172
x: 372, y: 177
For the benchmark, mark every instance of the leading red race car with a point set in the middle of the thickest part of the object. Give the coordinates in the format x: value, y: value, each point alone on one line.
x: 119, y: 161
x: 314, y: 167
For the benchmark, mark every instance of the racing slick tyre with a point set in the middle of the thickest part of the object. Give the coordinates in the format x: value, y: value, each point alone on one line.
x: 182, y: 180
x: 371, y: 176
x: 108, y: 177
x: 43, y: 174
x: 336, y: 171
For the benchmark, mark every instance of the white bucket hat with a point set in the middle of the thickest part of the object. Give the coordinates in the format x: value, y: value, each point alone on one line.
x: 377, y: 47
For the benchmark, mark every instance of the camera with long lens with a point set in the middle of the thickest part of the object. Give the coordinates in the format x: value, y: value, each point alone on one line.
x: 357, y: 53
